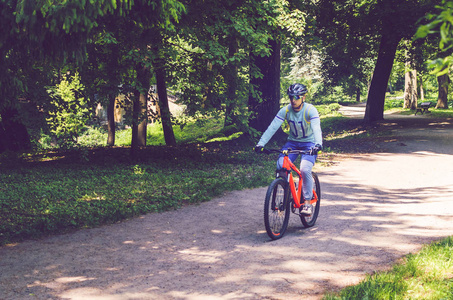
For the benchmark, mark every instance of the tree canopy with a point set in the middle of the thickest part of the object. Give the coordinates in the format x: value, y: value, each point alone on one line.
x: 215, y: 56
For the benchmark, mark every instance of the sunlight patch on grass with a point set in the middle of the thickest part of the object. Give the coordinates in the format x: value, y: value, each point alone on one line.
x: 94, y: 197
x: 227, y: 138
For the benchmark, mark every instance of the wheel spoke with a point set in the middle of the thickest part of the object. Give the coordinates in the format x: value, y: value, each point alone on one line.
x: 276, y: 215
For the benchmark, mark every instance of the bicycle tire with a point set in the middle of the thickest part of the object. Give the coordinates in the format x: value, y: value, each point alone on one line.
x: 276, y: 208
x: 309, y: 221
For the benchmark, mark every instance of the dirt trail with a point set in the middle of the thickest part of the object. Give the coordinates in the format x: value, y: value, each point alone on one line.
x: 375, y: 209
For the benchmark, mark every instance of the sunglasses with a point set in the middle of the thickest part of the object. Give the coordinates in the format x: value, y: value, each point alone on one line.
x: 297, y: 97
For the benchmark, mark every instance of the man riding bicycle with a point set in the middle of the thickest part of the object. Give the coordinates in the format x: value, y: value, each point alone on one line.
x: 304, y: 134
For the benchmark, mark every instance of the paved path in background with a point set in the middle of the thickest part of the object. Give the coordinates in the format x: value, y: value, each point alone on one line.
x: 375, y: 209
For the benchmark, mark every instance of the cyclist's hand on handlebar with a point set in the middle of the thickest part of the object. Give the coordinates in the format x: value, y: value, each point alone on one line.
x: 259, y: 149
x: 315, y: 149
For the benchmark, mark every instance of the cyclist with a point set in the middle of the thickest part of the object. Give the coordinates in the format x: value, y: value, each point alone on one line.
x: 305, y: 134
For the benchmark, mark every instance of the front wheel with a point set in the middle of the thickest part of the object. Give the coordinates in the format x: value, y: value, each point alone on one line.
x: 309, y: 221
x: 276, y: 208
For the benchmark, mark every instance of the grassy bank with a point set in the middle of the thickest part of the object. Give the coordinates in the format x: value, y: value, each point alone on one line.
x: 425, y: 275
x: 71, y: 190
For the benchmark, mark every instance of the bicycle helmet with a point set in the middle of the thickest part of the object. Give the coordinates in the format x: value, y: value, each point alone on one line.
x: 296, y: 90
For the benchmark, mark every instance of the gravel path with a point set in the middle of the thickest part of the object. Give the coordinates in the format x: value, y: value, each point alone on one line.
x: 375, y: 209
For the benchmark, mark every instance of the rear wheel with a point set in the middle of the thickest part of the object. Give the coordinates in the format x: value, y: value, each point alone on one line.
x: 309, y: 221
x: 276, y: 208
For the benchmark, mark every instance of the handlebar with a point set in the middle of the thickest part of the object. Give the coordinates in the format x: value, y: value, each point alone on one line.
x: 290, y: 151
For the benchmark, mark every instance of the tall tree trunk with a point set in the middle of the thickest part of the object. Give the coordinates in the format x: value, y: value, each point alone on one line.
x: 264, y: 108
x: 357, y: 95
x: 143, y: 125
x: 111, y: 122
x: 165, y: 114
x: 422, y: 92
x: 14, y: 135
x: 231, y: 78
x: 443, y: 81
x: 143, y: 77
x: 154, y: 110
x: 135, y: 117
x: 376, y: 94
x: 139, y: 114
x: 410, y: 88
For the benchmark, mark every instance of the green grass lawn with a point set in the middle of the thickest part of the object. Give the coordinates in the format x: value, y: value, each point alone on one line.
x: 188, y: 133
x: 67, y: 191
x: 395, y: 105
x: 424, y: 275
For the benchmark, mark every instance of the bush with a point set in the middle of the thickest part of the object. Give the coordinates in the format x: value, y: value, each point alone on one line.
x: 333, y: 107
x: 330, y: 109
x: 69, y: 109
x: 93, y: 137
x: 393, y: 103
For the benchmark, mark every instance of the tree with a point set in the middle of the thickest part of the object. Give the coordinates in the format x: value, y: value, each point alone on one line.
x: 264, y: 100
x: 60, y: 32
x: 104, y: 71
x: 36, y: 34
x: 221, y: 46
x: 410, y: 62
x: 410, y: 89
x: 376, y: 94
x: 70, y: 110
x: 164, y: 109
x: 406, y: 58
x: 155, y: 25
x: 442, y: 98
x: 13, y: 133
x: 266, y: 105
x: 346, y: 37
x: 440, y: 24
x: 397, y: 22
x: 140, y: 108
x: 353, y: 32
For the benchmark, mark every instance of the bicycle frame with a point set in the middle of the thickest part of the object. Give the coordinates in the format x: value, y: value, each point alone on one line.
x: 289, y: 166
x: 278, y: 204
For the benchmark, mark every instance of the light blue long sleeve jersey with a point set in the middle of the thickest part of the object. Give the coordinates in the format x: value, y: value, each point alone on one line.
x: 305, y: 125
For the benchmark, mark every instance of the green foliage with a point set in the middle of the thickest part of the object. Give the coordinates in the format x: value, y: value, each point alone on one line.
x: 393, y: 102
x: 328, y: 110
x: 329, y: 95
x: 425, y: 275
x: 440, y: 24
x: 211, y: 61
x: 70, y: 110
x: 95, y: 137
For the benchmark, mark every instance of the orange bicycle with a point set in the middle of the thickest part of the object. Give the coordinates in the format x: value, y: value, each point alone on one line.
x: 284, y: 196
